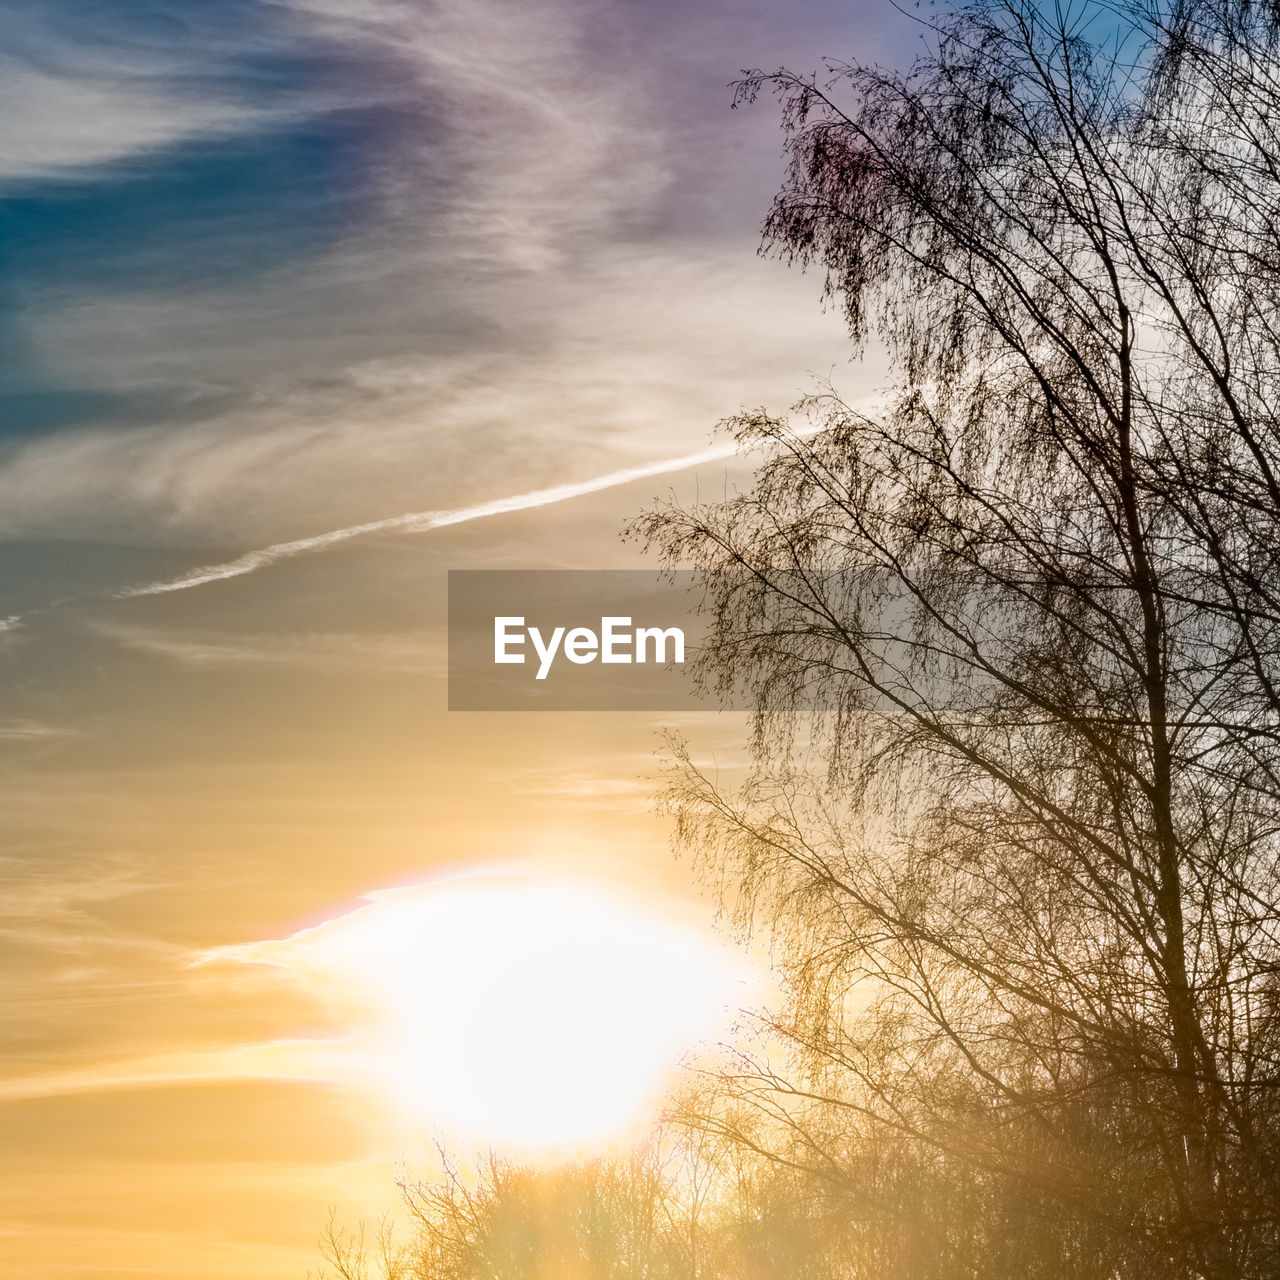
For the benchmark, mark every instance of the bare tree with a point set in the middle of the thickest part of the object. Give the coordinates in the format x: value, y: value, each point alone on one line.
x: 598, y: 1220
x: 1023, y: 858
x: 354, y: 1255
x: 683, y: 1205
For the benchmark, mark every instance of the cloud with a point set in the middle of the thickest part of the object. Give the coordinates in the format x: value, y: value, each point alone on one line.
x: 85, y: 87
x: 509, y: 308
x: 62, y: 124
x: 545, y: 141
x: 425, y: 521
x: 64, y: 896
x: 311, y: 651
x: 221, y: 650
x: 604, y: 370
x: 324, y: 1061
x: 31, y: 730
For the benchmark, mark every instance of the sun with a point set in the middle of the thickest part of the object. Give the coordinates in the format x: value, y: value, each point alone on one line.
x: 526, y: 1013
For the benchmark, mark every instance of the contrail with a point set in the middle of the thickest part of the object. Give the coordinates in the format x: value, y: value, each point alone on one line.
x: 422, y: 521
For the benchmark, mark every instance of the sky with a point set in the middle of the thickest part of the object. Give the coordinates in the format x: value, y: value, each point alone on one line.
x: 270, y: 273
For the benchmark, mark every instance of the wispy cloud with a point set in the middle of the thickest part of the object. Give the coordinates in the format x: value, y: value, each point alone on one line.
x: 81, y: 93
x: 32, y: 731
x: 315, y: 1060
x: 68, y: 123
x: 312, y: 651
x: 424, y: 521
x: 510, y: 307
x: 221, y: 650
x: 547, y: 142
x: 566, y: 384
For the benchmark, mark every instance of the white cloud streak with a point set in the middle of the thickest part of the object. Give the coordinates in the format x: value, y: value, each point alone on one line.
x: 322, y: 1061
x: 324, y: 651
x: 425, y: 521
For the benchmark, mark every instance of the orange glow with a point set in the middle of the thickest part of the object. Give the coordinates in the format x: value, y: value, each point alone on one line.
x: 533, y: 1015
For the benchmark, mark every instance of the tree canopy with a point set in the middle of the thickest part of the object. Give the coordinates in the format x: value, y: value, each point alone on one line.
x: 1025, y: 861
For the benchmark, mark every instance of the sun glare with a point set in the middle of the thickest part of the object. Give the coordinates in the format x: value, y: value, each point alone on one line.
x: 525, y: 1013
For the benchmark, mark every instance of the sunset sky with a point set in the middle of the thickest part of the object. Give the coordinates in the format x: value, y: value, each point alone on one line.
x: 270, y: 271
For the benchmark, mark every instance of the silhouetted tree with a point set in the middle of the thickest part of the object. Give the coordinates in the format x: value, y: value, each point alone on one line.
x: 1021, y: 855
x: 676, y: 1207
